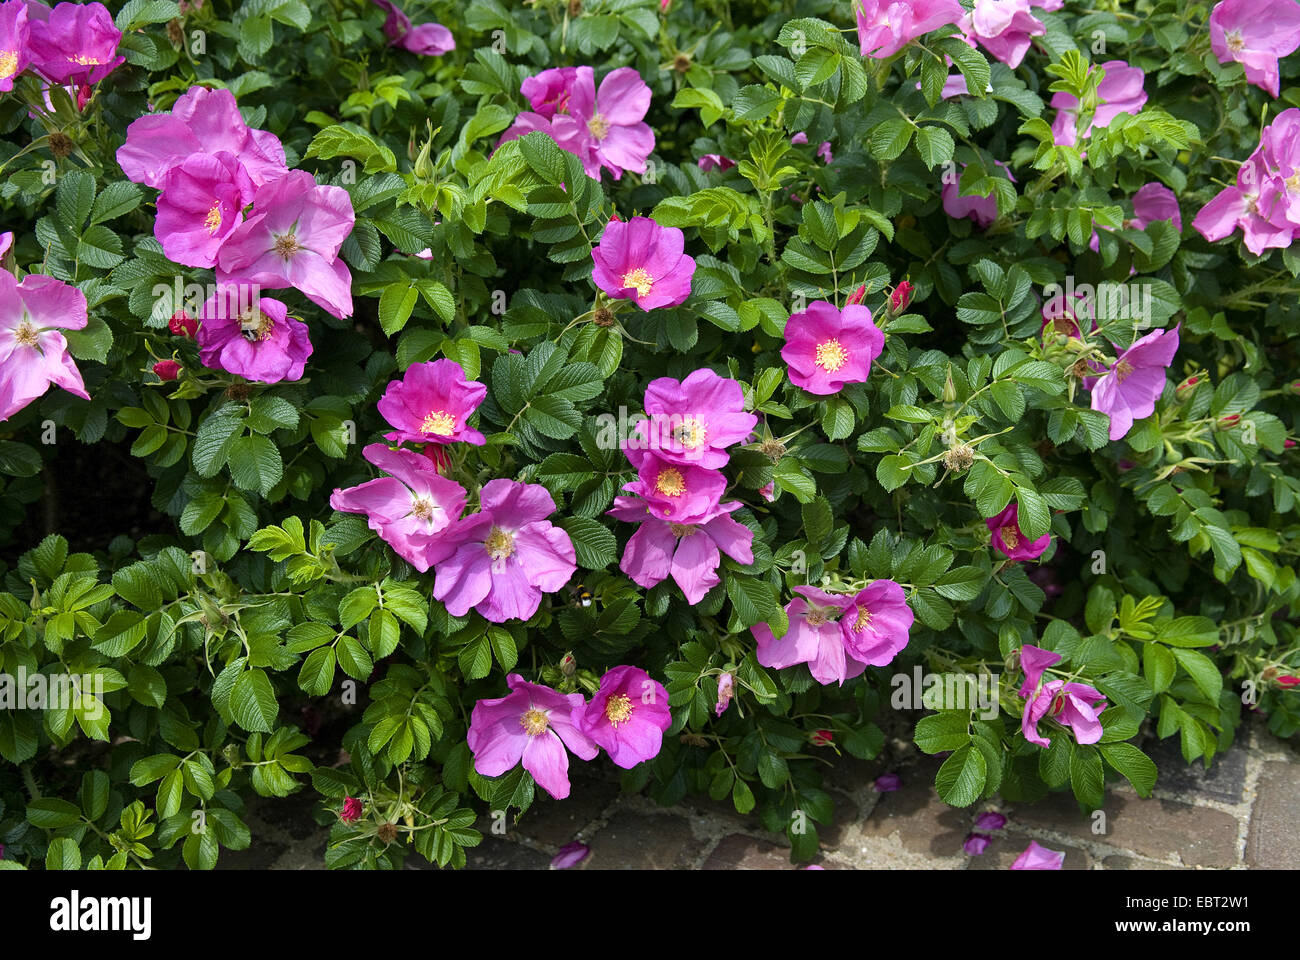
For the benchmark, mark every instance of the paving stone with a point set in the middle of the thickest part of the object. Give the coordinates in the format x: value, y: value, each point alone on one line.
x: 557, y: 822
x: 1274, y: 839
x: 1001, y: 853
x: 1224, y: 781
x: 851, y: 774
x: 846, y: 814
x: 1159, y: 829
x: 494, y: 853
x: 638, y: 841
x: 923, y: 822
x: 739, y: 852
x: 1118, y: 862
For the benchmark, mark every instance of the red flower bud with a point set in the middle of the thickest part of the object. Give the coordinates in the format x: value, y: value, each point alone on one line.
x: 1228, y: 421
x: 1288, y: 681
x: 1294, y: 387
x: 351, y: 811
x: 821, y: 738
x: 856, y: 296
x: 83, y: 96
x: 1186, y: 387
x: 1288, y: 444
x: 167, y: 369
x: 182, y: 324
x: 902, y: 295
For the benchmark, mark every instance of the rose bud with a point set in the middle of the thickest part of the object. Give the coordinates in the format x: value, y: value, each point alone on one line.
x: 856, y: 296
x: 1228, y: 421
x: 1288, y: 443
x: 568, y: 665
x: 351, y: 811
x: 902, y: 295
x: 1288, y: 681
x: 182, y: 324
x: 1186, y: 388
x: 1294, y: 387
x: 167, y: 369
x: 822, y: 738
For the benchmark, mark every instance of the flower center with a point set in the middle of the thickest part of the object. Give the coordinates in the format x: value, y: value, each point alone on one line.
x: 670, y: 482
x: 1293, y: 183
x: 1011, y: 537
x: 422, y: 508
x: 1234, y: 41
x: 864, y: 618
x: 534, y: 722
x: 439, y: 423
x: 1122, y: 371
x: 598, y: 126
x: 26, y: 334
x: 213, y: 220
x: 256, y: 325
x: 691, y: 433
x: 1064, y: 325
x: 640, y: 279
x: 816, y: 616
x: 286, y: 245
x: 85, y: 61
x: 8, y: 63
x: 618, y: 709
x: 500, y: 544
x: 831, y: 355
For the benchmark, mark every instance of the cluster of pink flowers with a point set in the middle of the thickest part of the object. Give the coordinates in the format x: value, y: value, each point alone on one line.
x: 1074, y: 705
x: 72, y: 43
x: 33, y: 353
x: 498, y: 560
x: 838, y: 634
x: 643, y: 262
x: 603, y: 128
x: 534, y: 724
x: 678, y: 451
x: 427, y: 40
x: 1265, y: 203
x: 827, y: 348
x: 209, y: 166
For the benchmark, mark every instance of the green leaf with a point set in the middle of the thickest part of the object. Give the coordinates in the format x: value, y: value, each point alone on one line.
x: 252, y: 702
x: 960, y: 780
x: 1133, y: 764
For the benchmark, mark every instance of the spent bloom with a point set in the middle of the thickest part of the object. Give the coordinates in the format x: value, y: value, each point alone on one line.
x: 815, y: 637
x: 887, y: 783
x: 689, y: 552
x: 1256, y: 34
x: 990, y: 820
x: 1120, y: 91
x: 292, y: 239
x: 533, y: 724
x: 627, y: 716
x: 641, y: 261
x: 506, y: 555
x: 1130, y: 389
x: 976, y: 844
x: 251, y: 336
x: 1010, y: 540
x: 726, y: 690
x: 827, y: 348
x: 1038, y: 857
x: 695, y: 419
x: 432, y: 403
x: 409, y: 508
x: 73, y: 43
x: 33, y: 352
x: 885, y: 27
x: 570, y: 855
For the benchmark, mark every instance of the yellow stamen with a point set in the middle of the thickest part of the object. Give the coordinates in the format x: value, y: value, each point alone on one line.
x: 256, y: 325
x: 500, y: 544
x: 598, y: 126
x: 816, y: 616
x: 422, y: 509
x: 864, y: 618
x: 691, y: 433
x: 618, y: 709
x: 8, y: 63
x: 640, y: 279
x: 534, y: 722
x: 439, y: 423
x: 670, y: 482
x: 26, y: 334
x: 213, y: 220
x: 1235, y: 41
x: 286, y: 246
x: 831, y: 355
x: 1011, y: 537
x: 85, y: 61
x: 1122, y: 371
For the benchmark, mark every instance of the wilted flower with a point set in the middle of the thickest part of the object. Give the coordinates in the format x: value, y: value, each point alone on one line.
x: 976, y: 844
x: 990, y: 820
x: 570, y: 855
x: 726, y: 690
x: 887, y: 783
x: 711, y: 161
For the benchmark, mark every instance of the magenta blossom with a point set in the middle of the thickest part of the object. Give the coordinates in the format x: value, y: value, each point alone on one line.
x: 886, y: 26
x: 1063, y: 315
x: 726, y: 690
x: 432, y: 403
x: 570, y: 855
x: 687, y: 551
x: 627, y: 716
x: 799, y: 138
x: 1256, y: 33
x: 680, y: 493
x: 33, y: 353
x: 976, y: 844
x: 643, y: 262
x: 1036, y: 857
x: 1004, y: 28
x: 427, y: 40
x: 983, y: 210
x: 14, y: 42
x: 293, y: 239
x: 73, y: 43
x: 827, y: 348
x: 1155, y: 201
x: 1034, y: 661
x: 824, y: 153
x: 258, y: 341
x: 815, y: 637
x: 506, y: 555
x: 712, y: 161
x: 201, y: 121
x: 876, y: 623
x: 201, y: 204
x: 1260, y: 204
x: 409, y: 508
x: 1120, y: 91
x: 533, y: 724
x: 694, y: 420
x: 607, y: 128
x: 1076, y: 705
x: 1130, y: 389
x: 1009, y: 539
x: 548, y: 92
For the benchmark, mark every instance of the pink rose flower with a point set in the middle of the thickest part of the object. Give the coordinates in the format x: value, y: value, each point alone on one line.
x: 827, y: 348
x: 1004, y: 28
x: 1130, y: 389
x: 200, y: 205
x: 14, y: 43
x: 33, y: 353
x: 694, y: 420
x: 886, y: 26
x: 643, y: 262
x: 1255, y: 33
x: 1009, y: 539
x: 432, y: 403
x: 605, y: 129
x: 815, y: 637
x: 680, y: 493
x: 627, y: 716
x: 877, y: 622
x: 73, y: 42
x: 258, y: 341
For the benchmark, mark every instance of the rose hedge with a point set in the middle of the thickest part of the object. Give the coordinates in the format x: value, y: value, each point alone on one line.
x: 987, y: 375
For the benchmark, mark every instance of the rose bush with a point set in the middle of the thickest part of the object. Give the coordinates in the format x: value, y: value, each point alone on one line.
x: 692, y: 386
